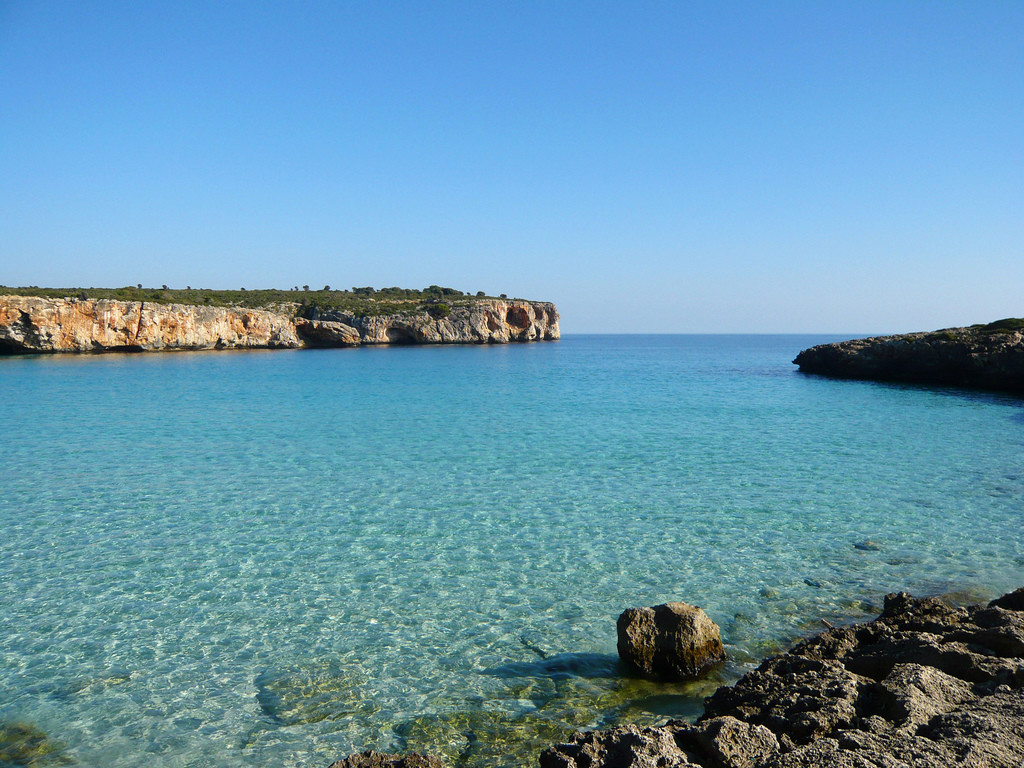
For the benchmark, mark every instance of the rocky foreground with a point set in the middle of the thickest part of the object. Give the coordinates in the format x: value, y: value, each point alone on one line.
x: 924, y: 685
x: 41, y: 325
x: 983, y: 356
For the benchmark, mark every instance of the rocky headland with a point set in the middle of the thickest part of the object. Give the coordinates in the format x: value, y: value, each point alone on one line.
x: 980, y: 356
x: 925, y: 685
x: 485, y: 321
x: 31, y: 324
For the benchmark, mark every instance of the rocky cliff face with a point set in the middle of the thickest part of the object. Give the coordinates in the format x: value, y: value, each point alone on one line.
x: 486, y: 321
x: 989, y: 356
x: 29, y: 324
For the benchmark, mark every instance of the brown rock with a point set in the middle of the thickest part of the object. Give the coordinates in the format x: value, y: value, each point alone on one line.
x: 913, y: 694
x: 1013, y: 601
x: 372, y: 759
x: 626, y: 747
x: 673, y: 641
x: 732, y: 743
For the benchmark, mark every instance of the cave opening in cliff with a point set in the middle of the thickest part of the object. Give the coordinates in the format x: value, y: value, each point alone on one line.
x: 399, y: 336
x: 518, y: 317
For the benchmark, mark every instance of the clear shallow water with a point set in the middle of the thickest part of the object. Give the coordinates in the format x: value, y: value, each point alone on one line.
x: 278, y: 558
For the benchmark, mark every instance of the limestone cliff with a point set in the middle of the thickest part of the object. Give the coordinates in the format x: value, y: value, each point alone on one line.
x: 484, y: 321
x: 32, y: 325
x: 986, y: 356
x: 29, y: 324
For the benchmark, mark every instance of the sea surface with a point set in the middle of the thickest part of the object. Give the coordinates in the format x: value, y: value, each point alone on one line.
x: 278, y: 558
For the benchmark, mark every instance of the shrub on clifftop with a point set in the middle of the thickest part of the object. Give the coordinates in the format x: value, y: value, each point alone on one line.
x: 439, y: 310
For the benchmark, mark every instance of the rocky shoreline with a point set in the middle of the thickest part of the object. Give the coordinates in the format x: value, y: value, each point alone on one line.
x: 980, y: 356
x: 924, y: 685
x: 34, y: 325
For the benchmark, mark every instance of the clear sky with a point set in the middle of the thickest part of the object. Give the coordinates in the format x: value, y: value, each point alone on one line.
x: 649, y: 166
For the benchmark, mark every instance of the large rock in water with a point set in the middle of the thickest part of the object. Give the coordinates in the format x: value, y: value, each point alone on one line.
x: 925, y: 685
x: 672, y: 641
x: 985, y: 356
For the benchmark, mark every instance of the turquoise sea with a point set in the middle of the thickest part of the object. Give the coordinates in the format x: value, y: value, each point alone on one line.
x: 278, y: 558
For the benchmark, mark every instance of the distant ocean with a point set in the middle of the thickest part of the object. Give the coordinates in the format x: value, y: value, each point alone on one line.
x: 278, y: 558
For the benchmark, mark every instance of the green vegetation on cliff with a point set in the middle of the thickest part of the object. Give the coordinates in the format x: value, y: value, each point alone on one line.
x: 363, y: 302
x: 1006, y: 325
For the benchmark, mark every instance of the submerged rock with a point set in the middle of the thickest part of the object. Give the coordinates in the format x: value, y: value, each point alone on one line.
x: 672, y: 641
x: 868, y: 545
x: 924, y: 685
x: 24, y: 745
x: 303, y: 694
x: 539, y: 704
x: 478, y: 737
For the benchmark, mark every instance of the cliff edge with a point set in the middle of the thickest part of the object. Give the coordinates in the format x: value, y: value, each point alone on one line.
x: 30, y: 324
x: 981, y: 356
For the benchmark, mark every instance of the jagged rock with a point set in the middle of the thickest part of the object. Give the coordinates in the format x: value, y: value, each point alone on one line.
x: 912, y: 694
x: 624, y: 747
x: 925, y: 685
x: 988, y: 733
x: 729, y: 742
x: 722, y: 742
x: 818, y: 697
x: 988, y: 356
x: 672, y: 641
x: 371, y: 759
x: 1014, y: 601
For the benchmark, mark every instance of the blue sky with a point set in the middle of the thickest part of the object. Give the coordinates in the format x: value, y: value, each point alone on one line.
x: 649, y: 166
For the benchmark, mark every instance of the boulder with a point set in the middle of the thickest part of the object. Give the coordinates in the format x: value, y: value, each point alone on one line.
x: 672, y: 641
